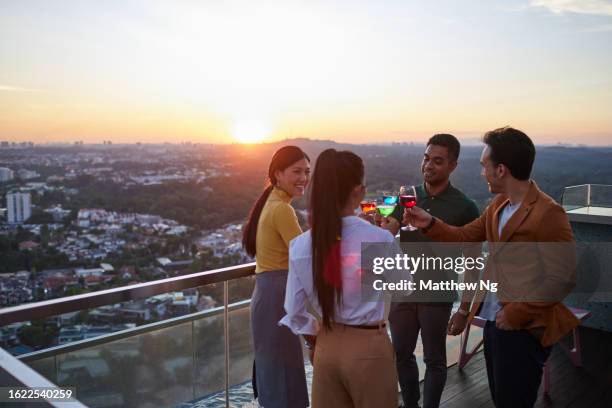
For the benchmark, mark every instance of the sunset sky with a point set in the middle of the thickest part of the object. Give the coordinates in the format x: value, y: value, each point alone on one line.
x: 351, y: 71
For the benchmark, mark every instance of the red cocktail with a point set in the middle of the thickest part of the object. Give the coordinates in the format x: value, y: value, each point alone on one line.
x: 407, y: 201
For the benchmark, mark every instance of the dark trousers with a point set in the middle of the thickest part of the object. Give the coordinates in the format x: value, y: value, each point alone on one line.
x: 406, y: 320
x: 515, y: 359
x: 280, y: 380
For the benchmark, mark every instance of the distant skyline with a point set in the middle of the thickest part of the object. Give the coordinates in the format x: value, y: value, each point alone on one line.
x: 465, y: 142
x: 157, y: 71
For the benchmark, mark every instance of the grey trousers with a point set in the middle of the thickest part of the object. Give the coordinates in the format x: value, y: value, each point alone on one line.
x: 279, y: 362
x: 407, y: 319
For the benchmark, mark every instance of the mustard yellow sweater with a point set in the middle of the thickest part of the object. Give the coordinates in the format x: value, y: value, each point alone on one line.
x: 277, y: 225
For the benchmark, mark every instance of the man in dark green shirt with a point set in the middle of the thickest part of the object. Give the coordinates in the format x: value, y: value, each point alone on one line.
x: 428, y: 312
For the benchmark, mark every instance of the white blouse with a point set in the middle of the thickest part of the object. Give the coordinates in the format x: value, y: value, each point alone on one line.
x: 354, y: 310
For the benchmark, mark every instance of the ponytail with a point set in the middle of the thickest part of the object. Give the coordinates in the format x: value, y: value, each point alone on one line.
x: 249, y: 235
x: 335, y: 176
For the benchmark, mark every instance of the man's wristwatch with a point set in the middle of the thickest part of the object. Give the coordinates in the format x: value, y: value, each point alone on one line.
x: 463, y: 312
x: 431, y: 224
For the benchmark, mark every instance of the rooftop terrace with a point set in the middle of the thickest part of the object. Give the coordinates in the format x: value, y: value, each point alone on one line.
x: 204, y: 359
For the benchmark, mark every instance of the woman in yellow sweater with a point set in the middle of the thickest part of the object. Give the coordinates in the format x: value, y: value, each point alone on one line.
x: 279, y: 378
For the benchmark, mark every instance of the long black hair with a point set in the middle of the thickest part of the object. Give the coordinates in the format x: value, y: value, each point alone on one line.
x: 336, y: 174
x: 281, y: 159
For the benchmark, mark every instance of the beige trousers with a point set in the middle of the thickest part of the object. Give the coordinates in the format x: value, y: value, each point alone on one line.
x: 354, y: 368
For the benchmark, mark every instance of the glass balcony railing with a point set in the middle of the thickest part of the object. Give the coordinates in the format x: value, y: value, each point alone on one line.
x: 164, y: 363
x: 589, y: 203
x: 587, y: 195
x: 202, y: 358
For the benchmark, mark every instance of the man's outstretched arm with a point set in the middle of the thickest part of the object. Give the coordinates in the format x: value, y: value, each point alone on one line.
x: 438, y: 230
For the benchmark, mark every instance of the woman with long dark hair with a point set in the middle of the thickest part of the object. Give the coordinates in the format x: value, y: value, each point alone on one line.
x: 353, y: 358
x: 279, y: 378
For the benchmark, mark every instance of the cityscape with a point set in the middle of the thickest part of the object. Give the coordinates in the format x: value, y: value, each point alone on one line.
x: 136, y: 137
x: 52, y: 247
x: 80, y: 218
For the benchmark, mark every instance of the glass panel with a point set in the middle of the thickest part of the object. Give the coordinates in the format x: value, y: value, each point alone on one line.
x: 86, y: 324
x: 152, y: 369
x: 241, y: 356
x: 209, y: 344
x: 163, y: 367
x: 241, y: 289
x: 575, y: 197
x: 209, y: 341
x: 601, y: 195
x: 209, y: 296
x: 45, y: 367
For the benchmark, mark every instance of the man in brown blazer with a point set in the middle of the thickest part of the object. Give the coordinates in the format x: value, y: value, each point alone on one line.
x: 532, y: 259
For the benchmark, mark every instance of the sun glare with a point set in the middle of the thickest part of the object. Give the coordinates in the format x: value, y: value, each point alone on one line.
x: 250, y: 132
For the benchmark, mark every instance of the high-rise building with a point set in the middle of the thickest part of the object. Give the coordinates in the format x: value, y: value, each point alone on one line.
x: 19, y: 207
x: 6, y: 174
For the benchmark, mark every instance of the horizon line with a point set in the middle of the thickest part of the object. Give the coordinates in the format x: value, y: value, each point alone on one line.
x: 473, y: 141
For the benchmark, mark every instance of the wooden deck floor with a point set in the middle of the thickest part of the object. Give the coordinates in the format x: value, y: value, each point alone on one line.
x: 589, y: 386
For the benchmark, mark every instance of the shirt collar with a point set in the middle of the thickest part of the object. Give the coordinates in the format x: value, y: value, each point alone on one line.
x: 513, y: 207
x: 281, y: 194
x: 423, y: 193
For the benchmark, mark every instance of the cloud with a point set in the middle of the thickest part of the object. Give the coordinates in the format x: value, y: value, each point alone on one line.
x: 9, y: 88
x: 595, y: 7
x: 600, y: 29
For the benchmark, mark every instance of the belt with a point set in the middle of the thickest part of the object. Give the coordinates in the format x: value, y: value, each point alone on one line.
x: 364, y: 326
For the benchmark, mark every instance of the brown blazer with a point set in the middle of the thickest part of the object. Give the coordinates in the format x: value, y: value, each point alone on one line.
x: 533, y: 277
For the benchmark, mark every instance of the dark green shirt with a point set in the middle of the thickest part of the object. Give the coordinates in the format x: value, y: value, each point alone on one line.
x: 451, y: 206
x: 454, y: 208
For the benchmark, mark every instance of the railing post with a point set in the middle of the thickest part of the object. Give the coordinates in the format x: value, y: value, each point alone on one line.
x: 588, y: 195
x: 194, y: 367
x: 56, y: 367
x: 226, y: 337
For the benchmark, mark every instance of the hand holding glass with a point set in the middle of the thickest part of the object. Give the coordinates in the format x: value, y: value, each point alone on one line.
x: 407, y: 199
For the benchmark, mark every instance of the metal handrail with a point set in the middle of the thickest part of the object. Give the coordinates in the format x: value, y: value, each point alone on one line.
x: 124, y: 334
x: 54, y: 307
x: 68, y: 304
x: 588, y: 184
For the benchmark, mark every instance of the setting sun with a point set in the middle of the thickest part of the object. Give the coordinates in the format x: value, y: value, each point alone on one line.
x: 250, y: 132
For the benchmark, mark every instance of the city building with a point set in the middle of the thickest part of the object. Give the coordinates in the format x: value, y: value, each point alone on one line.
x: 70, y: 334
x: 6, y: 174
x: 19, y: 206
x: 57, y: 212
x: 84, y: 272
